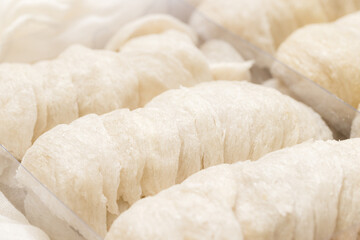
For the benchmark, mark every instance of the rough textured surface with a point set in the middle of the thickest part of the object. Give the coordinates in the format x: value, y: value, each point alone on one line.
x: 327, y: 54
x: 35, y: 98
x: 308, y: 191
x: 106, y: 163
x: 158, y: 72
x: 165, y: 34
x: 18, y: 109
x: 13, y: 224
x: 266, y: 23
x: 176, y: 44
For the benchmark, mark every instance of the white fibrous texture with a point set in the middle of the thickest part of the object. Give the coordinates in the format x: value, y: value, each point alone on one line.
x: 166, y: 35
x: 225, y: 62
x: 308, y: 191
x: 13, y: 224
x: 101, y: 165
x: 35, y: 98
x: 327, y: 54
x: 267, y: 23
x: 34, y: 30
